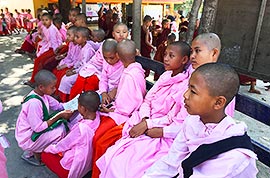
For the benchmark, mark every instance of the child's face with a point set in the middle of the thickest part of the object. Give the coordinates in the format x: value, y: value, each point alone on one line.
x: 80, y: 39
x: 120, y: 33
x: 166, y: 25
x: 201, y: 54
x: 70, y: 35
x: 110, y: 57
x: 173, y: 60
x: 46, y: 21
x: 79, y: 22
x: 198, y: 101
x: 48, y: 89
x: 72, y: 16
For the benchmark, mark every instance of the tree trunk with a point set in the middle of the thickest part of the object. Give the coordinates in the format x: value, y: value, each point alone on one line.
x: 192, y: 19
x: 84, y: 6
x: 64, y: 7
x: 208, y: 17
x: 136, y: 22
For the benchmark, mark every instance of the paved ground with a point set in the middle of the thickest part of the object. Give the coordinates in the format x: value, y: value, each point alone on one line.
x: 15, y: 68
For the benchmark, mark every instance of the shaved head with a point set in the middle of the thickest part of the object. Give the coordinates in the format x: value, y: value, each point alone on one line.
x: 221, y: 79
x: 211, y: 40
x: 84, y: 31
x: 90, y: 100
x: 109, y: 45
x: 99, y: 34
x: 44, y: 78
x: 119, y: 24
x: 126, y: 50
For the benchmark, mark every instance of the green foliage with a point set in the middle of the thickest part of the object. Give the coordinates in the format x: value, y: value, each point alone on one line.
x: 185, y: 6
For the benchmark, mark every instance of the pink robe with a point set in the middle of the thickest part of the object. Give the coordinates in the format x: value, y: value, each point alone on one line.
x: 164, y: 105
x: 51, y: 39
x: 3, y: 161
x: 77, y: 147
x: 110, y: 76
x: 30, y: 120
x: 95, y: 45
x: 86, y: 53
x: 236, y: 163
x: 98, y: 59
x: 130, y: 93
x: 229, y: 110
x: 3, y: 158
x: 72, y: 55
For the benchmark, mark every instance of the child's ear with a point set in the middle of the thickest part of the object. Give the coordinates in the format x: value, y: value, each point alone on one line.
x: 117, y: 55
x: 215, y: 53
x: 220, y: 102
x: 185, y: 60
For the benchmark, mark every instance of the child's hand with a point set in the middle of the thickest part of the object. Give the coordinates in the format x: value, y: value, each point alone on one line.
x: 156, y: 132
x: 58, y: 49
x: 106, y: 110
x: 138, y: 129
x: 112, y: 93
x: 66, y: 114
x: 70, y: 72
x: 106, y: 99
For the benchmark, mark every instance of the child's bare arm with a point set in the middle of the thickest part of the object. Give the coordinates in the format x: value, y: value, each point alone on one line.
x: 156, y: 132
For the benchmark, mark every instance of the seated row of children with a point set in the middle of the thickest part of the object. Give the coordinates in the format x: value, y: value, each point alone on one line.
x: 139, y: 133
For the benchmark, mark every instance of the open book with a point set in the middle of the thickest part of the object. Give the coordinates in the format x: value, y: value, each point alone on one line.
x: 72, y: 104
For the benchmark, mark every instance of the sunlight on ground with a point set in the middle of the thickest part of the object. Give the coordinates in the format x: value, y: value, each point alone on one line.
x: 13, y: 101
x: 4, y: 128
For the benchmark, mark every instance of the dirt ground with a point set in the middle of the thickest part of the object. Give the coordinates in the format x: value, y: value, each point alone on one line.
x: 14, y: 69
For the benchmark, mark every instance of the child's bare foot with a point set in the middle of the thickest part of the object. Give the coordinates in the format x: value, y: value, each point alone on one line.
x: 254, y: 91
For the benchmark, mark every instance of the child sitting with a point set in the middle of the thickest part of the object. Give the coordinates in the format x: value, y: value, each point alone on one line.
x: 111, y: 72
x: 129, y: 97
x: 73, y: 12
x: 159, y: 56
x: 149, y: 132
x: 81, y: 20
x: 51, y: 40
x: 76, y: 147
x: 35, y: 129
x: 206, y: 49
x: 86, y: 53
x: 210, y: 144
x: 71, y: 58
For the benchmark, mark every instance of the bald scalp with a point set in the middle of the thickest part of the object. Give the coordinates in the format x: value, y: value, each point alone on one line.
x: 84, y: 31
x: 81, y: 16
x: 119, y: 24
x: 44, y: 78
x: 90, y: 100
x: 211, y: 40
x: 221, y: 79
x: 109, y: 45
x: 99, y: 34
x: 126, y: 50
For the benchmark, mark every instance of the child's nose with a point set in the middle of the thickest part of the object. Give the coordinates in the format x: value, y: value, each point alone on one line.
x: 186, y: 94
